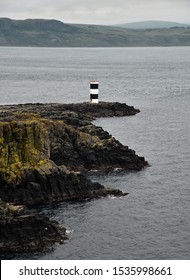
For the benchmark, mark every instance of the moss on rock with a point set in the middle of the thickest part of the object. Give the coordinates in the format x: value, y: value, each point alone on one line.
x: 24, y: 144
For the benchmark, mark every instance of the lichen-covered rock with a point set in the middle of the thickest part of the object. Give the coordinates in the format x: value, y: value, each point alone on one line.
x: 41, y: 158
x: 33, y: 154
x: 23, y: 145
x: 45, y: 150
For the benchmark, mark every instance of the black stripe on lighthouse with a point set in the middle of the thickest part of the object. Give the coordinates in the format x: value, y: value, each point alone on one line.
x: 94, y: 91
x: 93, y: 86
x: 93, y: 96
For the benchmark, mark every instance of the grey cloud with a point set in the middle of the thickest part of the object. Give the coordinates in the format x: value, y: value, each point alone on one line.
x: 97, y: 11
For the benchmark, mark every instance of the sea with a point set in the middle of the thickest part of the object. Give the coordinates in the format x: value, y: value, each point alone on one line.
x: 153, y: 221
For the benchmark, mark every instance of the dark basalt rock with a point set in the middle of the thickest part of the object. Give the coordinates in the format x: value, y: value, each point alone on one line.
x: 45, y: 147
x: 41, y: 161
x: 45, y: 151
x: 55, y: 185
x: 23, y: 231
x: 75, y: 113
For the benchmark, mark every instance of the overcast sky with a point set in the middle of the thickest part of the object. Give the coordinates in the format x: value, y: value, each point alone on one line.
x: 97, y: 11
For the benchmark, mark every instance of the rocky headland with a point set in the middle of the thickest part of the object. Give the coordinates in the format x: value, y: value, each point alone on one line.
x: 45, y: 152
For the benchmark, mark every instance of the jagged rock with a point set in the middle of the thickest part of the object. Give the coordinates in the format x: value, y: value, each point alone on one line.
x: 34, y: 153
x: 75, y: 114
x: 23, y: 231
x: 44, y: 151
x: 40, y: 155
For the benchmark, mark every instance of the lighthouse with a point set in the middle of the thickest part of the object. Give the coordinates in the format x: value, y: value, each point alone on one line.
x: 94, y: 91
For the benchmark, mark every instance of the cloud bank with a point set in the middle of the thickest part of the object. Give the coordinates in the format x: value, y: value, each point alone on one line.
x: 99, y: 11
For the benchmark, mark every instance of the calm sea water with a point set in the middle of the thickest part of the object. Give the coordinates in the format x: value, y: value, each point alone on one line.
x: 152, y: 222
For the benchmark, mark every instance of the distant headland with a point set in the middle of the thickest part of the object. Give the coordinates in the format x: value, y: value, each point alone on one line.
x: 54, y: 33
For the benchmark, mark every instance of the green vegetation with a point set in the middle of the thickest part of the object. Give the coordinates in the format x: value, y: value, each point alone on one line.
x: 53, y: 33
x: 23, y: 145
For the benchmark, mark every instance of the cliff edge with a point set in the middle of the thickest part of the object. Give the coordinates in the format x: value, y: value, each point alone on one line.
x: 46, y: 149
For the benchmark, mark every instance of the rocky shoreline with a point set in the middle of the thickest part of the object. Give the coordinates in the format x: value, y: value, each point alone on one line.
x: 45, y: 152
x: 22, y: 230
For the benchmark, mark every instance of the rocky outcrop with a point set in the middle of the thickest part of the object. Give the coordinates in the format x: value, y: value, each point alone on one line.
x: 33, y: 152
x: 23, y: 231
x: 89, y: 147
x: 45, y: 151
x: 76, y: 142
x: 75, y: 113
x: 46, y: 148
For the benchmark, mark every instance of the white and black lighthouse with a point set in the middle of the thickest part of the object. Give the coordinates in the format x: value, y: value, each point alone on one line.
x: 94, y: 91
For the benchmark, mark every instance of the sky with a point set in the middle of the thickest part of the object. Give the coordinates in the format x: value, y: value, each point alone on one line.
x: 103, y: 12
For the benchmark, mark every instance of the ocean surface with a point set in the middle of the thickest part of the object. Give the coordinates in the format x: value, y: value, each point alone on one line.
x: 153, y: 221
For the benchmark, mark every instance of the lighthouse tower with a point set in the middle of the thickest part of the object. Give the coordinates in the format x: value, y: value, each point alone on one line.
x: 94, y: 91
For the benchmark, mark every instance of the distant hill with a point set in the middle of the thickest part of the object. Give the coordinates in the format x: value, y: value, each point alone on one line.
x: 152, y: 24
x: 54, y: 33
